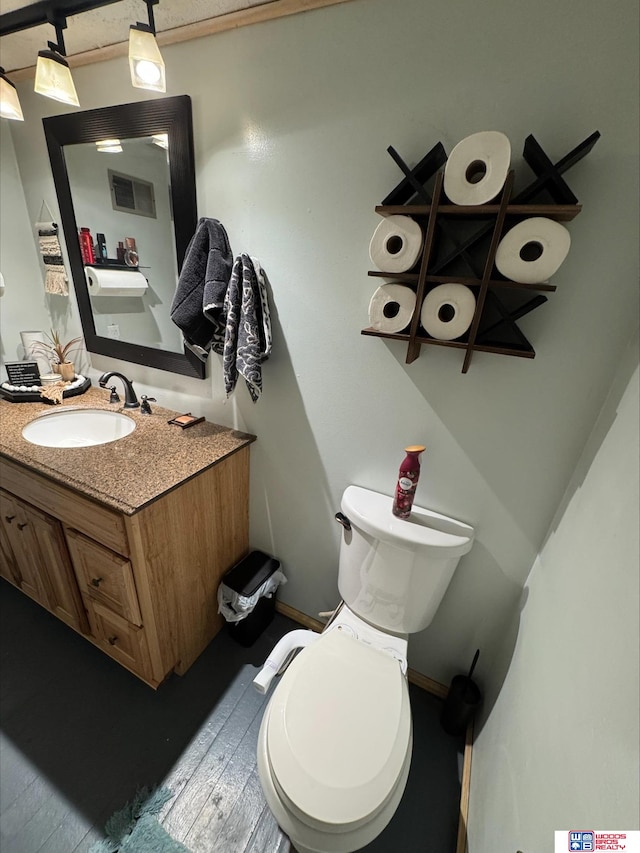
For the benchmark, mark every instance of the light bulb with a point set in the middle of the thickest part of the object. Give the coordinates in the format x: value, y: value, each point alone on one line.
x: 145, y: 61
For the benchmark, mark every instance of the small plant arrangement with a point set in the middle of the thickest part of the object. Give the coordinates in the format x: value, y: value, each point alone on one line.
x: 58, y: 353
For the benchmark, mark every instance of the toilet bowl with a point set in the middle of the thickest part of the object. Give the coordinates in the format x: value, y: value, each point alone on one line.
x: 334, y: 748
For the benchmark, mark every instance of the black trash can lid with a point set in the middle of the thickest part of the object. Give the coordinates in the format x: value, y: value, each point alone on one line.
x: 250, y: 573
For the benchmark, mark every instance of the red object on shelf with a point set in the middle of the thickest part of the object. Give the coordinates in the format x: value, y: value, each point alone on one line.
x: 408, y: 477
x: 86, y: 247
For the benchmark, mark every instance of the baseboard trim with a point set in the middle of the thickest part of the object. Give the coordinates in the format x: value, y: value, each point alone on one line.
x: 299, y: 617
x: 431, y: 686
x: 461, y: 843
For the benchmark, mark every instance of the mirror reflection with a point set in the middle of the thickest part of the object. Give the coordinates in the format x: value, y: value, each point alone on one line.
x: 125, y: 181
x: 122, y: 200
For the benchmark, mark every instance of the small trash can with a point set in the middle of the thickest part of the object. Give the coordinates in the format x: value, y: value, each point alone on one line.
x: 246, y: 596
x: 462, y: 702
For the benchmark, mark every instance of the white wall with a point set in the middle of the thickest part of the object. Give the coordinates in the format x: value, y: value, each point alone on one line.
x: 291, y: 121
x: 19, y: 261
x: 560, y: 748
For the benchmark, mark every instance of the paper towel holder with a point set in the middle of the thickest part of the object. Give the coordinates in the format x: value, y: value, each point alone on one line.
x: 493, y: 328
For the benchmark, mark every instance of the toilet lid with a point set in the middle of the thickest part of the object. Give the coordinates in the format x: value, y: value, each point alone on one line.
x: 338, y: 731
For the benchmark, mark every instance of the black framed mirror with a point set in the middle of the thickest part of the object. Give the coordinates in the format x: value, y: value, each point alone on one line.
x: 127, y: 173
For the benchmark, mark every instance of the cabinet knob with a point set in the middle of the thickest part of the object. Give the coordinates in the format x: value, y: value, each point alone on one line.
x: 21, y: 526
x: 96, y: 581
x: 112, y: 640
x: 9, y: 518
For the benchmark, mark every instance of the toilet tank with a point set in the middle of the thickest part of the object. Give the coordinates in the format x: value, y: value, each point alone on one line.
x: 394, y: 572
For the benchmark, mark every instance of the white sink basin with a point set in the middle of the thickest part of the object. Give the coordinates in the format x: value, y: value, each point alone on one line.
x: 77, y: 428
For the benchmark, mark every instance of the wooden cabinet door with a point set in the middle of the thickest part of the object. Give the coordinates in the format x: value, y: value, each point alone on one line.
x: 21, y: 536
x: 62, y: 591
x: 8, y: 564
x: 41, y: 563
x: 105, y: 576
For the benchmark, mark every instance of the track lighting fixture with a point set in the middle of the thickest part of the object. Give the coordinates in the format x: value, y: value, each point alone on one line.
x: 53, y: 75
x: 145, y: 59
x: 9, y: 101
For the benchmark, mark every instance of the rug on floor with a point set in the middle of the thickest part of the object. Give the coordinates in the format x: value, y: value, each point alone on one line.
x: 135, y: 828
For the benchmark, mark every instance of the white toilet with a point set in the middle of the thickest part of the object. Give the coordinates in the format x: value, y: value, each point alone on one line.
x: 334, y: 748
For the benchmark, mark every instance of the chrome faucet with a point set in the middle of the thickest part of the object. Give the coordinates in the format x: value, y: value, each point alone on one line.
x: 130, y: 399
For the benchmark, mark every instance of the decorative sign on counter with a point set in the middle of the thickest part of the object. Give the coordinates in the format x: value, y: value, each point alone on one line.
x: 23, y: 373
x: 34, y: 393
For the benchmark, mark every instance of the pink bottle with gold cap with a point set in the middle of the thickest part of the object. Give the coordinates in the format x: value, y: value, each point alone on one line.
x: 407, y: 481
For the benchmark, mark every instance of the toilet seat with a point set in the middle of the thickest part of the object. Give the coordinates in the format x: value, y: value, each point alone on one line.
x: 335, y: 771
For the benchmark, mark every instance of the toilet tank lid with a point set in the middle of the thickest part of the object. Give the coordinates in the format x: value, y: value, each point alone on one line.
x: 371, y: 512
x: 338, y: 730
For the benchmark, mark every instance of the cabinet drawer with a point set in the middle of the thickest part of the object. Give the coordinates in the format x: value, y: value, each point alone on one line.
x: 105, y: 525
x: 124, y: 642
x: 104, y: 576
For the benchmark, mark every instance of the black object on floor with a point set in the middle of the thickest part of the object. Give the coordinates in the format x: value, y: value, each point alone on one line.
x: 246, y: 578
x: 463, y: 700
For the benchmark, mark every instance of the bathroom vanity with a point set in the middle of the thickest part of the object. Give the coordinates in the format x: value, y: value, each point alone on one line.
x: 126, y: 542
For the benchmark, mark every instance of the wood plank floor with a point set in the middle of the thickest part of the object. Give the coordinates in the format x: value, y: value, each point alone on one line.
x: 79, y: 735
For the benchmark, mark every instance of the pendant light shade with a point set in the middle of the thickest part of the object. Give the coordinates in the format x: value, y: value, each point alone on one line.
x: 53, y: 78
x: 9, y: 101
x: 145, y: 60
x: 53, y: 75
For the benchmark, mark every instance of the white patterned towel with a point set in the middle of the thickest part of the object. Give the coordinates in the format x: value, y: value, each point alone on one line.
x: 247, y: 341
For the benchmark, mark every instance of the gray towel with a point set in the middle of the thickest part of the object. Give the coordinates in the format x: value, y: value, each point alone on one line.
x: 247, y: 340
x: 198, y: 304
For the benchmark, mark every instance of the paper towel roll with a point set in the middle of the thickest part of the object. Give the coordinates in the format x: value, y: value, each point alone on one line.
x: 31, y: 351
x: 110, y: 282
x: 396, y: 244
x: 447, y: 311
x: 533, y: 250
x: 477, y: 168
x: 391, y: 308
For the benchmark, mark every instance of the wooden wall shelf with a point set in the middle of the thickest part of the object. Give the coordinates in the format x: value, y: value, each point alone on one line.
x: 460, y: 244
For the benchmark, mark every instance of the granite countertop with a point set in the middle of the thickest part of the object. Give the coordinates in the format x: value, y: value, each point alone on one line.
x: 126, y: 474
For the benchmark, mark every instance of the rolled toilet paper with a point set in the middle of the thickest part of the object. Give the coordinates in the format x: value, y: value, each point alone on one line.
x: 447, y: 311
x: 391, y: 308
x: 396, y: 244
x: 110, y: 282
x: 477, y: 168
x: 533, y: 250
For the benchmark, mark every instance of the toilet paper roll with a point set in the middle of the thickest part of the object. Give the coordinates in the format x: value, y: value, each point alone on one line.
x: 477, y: 168
x: 396, y: 244
x: 32, y: 352
x: 110, y: 282
x: 447, y: 311
x: 391, y: 308
x: 533, y: 250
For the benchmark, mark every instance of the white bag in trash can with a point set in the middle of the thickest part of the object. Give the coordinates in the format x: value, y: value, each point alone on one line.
x: 235, y: 607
